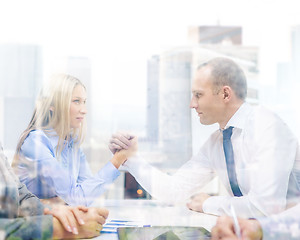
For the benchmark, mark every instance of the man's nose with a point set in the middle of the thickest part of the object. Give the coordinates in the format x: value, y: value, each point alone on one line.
x: 193, y: 103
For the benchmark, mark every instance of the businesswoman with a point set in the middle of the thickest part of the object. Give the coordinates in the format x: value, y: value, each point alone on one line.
x: 48, y: 158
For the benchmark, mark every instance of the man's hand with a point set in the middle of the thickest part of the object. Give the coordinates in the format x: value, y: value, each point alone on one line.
x: 93, y: 220
x: 132, y: 149
x: 224, y: 229
x: 196, y: 203
x: 67, y: 216
x: 119, y: 141
x: 122, y: 155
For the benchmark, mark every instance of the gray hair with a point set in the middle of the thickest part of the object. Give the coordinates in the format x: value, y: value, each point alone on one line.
x: 226, y: 72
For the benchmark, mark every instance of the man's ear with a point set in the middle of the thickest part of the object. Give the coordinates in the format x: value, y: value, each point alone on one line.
x: 227, y: 93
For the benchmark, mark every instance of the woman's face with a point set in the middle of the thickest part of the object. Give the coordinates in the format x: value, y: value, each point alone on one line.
x: 78, y: 106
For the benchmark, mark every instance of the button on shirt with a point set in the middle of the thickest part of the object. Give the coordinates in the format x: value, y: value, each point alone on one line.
x: 264, y: 152
x: 68, y: 176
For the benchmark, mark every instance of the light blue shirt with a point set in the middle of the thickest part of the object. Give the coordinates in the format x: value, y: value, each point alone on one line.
x: 68, y: 176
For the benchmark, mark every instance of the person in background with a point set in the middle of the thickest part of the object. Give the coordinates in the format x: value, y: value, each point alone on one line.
x: 23, y: 216
x: 282, y: 226
x: 252, y: 152
x: 224, y: 229
x: 48, y: 158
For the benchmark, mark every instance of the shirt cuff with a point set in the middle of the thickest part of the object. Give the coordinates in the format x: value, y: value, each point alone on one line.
x: 135, y: 162
x: 109, y: 172
x: 212, y: 205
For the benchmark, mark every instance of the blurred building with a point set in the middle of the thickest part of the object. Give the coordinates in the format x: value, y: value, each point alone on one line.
x: 152, y: 99
x: 174, y: 114
x: 295, y: 40
x: 285, y: 94
x: 215, y: 35
x: 20, y: 79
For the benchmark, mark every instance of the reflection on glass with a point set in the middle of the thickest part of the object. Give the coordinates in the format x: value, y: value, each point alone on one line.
x: 163, y: 233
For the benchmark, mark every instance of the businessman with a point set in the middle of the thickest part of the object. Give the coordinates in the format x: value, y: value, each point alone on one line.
x: 252, y: 153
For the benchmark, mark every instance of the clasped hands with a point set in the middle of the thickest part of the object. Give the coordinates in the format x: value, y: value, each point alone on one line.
x: 76, y: 222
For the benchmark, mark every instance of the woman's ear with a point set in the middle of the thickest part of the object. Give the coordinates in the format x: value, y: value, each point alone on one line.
x: 52, y: 109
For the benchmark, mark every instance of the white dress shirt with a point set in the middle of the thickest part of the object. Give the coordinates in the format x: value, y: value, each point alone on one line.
x: 285, y: 225
x: 264, y: 153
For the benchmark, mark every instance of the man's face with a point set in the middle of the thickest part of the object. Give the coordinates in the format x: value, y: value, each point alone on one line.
x: 208, y: 104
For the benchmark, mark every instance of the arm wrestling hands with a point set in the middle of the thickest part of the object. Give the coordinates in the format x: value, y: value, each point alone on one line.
x: 120, y: 141
x: 125, y: 141
x: 123, y: 146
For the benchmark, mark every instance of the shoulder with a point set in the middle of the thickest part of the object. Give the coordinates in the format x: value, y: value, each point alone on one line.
x: 261, y: 111
x: 36, y: 143
x: 265, y: 122
x: 37, y: 136
x: 264, y: 117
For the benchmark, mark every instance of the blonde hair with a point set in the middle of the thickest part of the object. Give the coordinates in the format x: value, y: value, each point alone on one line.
x: 52, y: 111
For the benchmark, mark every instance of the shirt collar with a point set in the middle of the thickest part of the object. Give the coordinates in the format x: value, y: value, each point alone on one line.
x: 238, y: 120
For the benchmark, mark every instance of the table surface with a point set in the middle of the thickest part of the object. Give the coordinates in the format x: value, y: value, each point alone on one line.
x: 154, y: 213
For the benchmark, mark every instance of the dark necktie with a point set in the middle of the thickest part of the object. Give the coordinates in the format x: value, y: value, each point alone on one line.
x: 228, y: 151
